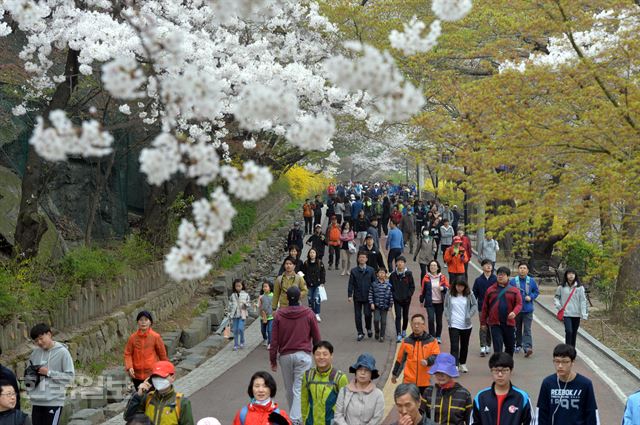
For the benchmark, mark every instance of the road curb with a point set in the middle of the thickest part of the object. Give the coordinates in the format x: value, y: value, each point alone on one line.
x: 612, y: 355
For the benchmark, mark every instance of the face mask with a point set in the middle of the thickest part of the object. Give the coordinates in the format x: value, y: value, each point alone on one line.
x: 159, y: 383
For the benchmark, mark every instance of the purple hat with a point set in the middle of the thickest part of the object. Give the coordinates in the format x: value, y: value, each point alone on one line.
x: 445, y: 363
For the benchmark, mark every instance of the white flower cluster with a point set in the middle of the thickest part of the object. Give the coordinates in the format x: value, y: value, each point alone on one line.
x: 261, y: 105
x: 162, y: 160
x: 250, y: 184
x: 61, y: 139
x: 249, y: 144
x: 19, y: 110
x: 28, y: 14
x: 122, y: 78
x: 451, y: 10
x: 376, y: 73
x: 243, y: 9
x: 333, y: 158
x: 312, y: 132
x: 411, y: 41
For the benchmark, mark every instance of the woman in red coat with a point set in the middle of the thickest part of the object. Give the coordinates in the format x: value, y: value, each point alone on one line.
x: 262, y: 410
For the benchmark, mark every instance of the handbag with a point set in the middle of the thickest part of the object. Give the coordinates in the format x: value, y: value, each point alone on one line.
x: 322, y: 293
x: 352, y: 247
x: 31, y: 376
x: 560, y: 314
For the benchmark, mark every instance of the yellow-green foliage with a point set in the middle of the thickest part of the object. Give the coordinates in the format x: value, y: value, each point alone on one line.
x: 304, y: 183
x: 446, y: 192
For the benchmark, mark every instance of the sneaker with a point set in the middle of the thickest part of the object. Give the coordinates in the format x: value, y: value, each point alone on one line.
x: 381, y: 339
x: 487, y: 349
x: 265, y: 343
x: 404, y: 334
x: 482, y: 352
x: 398, y: 338
x: 439, y: 340
x: 463, y: 368
x: 529, y: 352
x: 268, y: 346
x: 445, y: 266
x: 318, y: 318
x: 360, y: 337
x: 518, y: 349
x: 369, y: 334
x: 241, y: 346
x: 235, y: 348
x: 377, y: 336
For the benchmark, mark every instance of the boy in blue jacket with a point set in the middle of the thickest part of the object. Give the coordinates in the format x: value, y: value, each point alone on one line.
x: 381, y: 300
x: 529, y: 291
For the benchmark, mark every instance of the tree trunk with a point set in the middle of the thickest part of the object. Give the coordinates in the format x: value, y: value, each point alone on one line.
x: 628, y: 284
x: 101, y: 184
x: 31, y: 224
x: 156, y: 211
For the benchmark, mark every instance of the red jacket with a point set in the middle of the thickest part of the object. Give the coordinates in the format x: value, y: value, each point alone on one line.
x: 490, y: 316
x: 258, y: 414
x: 295, y: 328
x: 466, y: 243
x: 455, y: 263
x: 142, y: 351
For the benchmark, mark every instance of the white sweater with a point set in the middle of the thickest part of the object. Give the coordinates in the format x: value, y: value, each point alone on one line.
x: 577, y: 306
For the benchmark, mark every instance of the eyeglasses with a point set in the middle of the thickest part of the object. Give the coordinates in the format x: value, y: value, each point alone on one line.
x: 500, y: 371
x: 8, y: 395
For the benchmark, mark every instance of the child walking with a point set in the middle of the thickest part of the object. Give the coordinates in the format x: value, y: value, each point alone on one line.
x: 239, y: 308
x: 380, y: 300
x: 265, y: 307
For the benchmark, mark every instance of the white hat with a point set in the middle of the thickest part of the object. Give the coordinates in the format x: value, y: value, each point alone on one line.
x: 209, y: 421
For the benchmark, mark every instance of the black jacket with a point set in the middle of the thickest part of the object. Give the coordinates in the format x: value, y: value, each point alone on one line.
x: 317, y: 242
x: 361, y: 224
x: 402, y: 285
x: 7, y: 375
x: 14, y: 417
x: 374, y: 257
x: 299, y: 264
x: 314, y: 273
x: 295, y: 237
x: 359, y: 283
x: 516, y: 409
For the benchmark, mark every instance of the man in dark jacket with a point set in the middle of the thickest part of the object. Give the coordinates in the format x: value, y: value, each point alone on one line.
x: 317, y: 211
x: 402, y: 286
x: 9, y: 412
x: 360, y: 280
x: 502, y: 403
x: 480, y: 287
x: 7, y: 375
x: 501, y: 305
x: 295, y: 237
x: 374, y: 256
x: 294, y: 332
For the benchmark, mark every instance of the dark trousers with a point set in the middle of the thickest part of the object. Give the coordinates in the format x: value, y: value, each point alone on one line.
x: 454, y: 276
x: 334, y: 251
x: 380, y: 322
x: 485, y: 337
x: 443, y: 248
x: 391, y: 258
x: 571, y: 325
x: 317, y: 219
x: 460, y: 344
x: 385, y: 225
x: 339, y: 218
x: 308, y: 225
x: 504, y: 338
x: 435, y: 319
x: 423, y: 271
x: 45, y: 415
x: 402, y: 315
x: 359, y: 308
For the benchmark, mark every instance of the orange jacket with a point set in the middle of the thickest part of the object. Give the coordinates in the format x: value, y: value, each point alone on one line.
x: 333, y: 235
x: 142, y: 351
x: 307, y: 210
x: 455, y: 263
x: 412, y: 351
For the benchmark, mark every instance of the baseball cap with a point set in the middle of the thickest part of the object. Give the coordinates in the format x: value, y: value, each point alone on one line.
x: 457, y: 239
x: 163, y: 369
x: 369, y: 236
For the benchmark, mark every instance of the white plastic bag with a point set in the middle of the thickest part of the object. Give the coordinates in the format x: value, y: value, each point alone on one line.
x: 322, y: 293
x: 352, y: 247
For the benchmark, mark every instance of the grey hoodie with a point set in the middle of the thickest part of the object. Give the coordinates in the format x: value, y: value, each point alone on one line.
x: 51, y: 390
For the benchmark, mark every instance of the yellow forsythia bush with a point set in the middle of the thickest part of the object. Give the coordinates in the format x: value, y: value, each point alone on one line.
x: 306, y: 184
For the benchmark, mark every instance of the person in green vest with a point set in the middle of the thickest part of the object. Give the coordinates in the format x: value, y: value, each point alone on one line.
x: 321, y: 386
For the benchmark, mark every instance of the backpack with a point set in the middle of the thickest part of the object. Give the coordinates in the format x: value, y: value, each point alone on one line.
x: 245, y: 410
x: 334, y: 377
x: 179, y: 396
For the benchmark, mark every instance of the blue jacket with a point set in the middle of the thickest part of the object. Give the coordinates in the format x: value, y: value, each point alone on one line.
x: 480, y: 286
x: 632, y: 410
x: 356, y: 207
x: 395, y: 239
x: 531, y: 290
x: 360, y: 281
x: 516, y: 409
x: 380, y: 295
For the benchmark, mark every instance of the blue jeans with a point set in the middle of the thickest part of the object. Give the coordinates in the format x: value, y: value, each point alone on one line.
x: 238, y: 331
x: 265, y: 328
x: 313, y: 296
x: 524, y: 338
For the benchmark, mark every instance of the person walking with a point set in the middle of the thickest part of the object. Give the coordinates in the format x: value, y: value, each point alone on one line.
x: 339, y: 209
x: 334, y: 243
x: 434, y: 290
x: 361, y: 402
x: 570, y: 298
x: 446, y: 236
x: 158, y: 400
x: 361, y: 278
x: 348, y: 247
x: 295, y: 237
x: 321, y: 386
x: 466, y: 244
x: 9, y: 412
x: 566, y: 397
x: 460, y: 306
x: 416, y: 355
x: 447, y: 402
x: 380, y: 300
x: 239, y: 302
x: 360, y: 226
x: 456, y: 257
x: 424, y: 253
x: 56, y: 371
x: 402, y: 287
x: 144, y: 349
x: 408, y: 228
x: 315, y: 277
x: 262, y: 409
x: 318, y: 241
x: 294, y: 252
x: 386, y: 213
x: 307, y: 214
x: 7, y: 375
x: 480, y: 286
x: 489, y: 248
x: 295, y: 330
x: 501, y: 305
x: 394, y: 244
x: 317, y: 211
x: 529, y: 292
x: 285, y: 281
x: 374, y: 256
x: 265, y: 307
x: 502, y: 403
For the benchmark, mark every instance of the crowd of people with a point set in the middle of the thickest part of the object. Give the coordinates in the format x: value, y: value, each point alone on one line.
x: 361, y: 219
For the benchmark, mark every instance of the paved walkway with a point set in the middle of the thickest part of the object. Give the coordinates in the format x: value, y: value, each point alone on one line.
x: 228, y: 392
